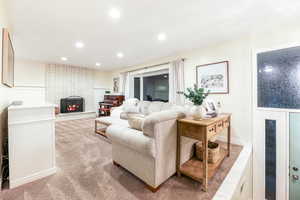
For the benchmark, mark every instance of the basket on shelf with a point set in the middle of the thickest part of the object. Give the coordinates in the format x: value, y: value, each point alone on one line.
x: 213, y: 151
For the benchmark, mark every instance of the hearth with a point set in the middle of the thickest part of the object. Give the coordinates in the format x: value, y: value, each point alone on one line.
x: 72, y: 104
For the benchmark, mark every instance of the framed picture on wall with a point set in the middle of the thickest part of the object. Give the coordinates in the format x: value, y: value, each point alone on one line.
x: 116, y: 81
x: 214, y: 77
x: 7, y: 59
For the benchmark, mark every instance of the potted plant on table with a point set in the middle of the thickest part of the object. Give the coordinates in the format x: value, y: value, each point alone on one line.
x: 196, y: 96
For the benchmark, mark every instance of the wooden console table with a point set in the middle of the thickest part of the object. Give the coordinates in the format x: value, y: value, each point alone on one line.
x: 202, y: 130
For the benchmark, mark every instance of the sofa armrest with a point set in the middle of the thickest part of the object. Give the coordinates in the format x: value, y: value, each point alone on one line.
x: 158, y: 117
x: 116, y: 111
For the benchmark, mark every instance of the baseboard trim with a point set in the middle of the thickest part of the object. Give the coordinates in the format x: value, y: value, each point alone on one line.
x: 31, y: 178
x: 73, y: 116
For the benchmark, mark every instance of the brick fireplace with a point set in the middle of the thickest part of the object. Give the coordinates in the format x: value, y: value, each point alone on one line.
x: 72, y: 104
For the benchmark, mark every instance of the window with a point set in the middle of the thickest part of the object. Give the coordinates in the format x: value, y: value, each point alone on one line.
x: 156, y: 88
x: 137, y: 87
x: 270, y: 159
x: 152, y: 86
x: 278, y: 77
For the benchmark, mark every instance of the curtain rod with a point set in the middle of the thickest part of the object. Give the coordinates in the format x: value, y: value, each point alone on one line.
x: 165, y: 63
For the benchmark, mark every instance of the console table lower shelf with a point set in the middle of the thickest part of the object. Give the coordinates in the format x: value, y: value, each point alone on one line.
x: 193, y: 168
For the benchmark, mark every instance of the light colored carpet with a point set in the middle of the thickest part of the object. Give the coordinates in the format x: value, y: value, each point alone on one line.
x: 85, y: 172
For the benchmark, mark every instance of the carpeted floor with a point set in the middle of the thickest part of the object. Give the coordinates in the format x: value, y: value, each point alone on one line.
x: 85, y: 172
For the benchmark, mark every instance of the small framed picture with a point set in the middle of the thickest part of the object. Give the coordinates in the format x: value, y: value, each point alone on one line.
x: 116, y: 82
x: 7, y: 59
x: 214, y: 77
x: 210, y: 105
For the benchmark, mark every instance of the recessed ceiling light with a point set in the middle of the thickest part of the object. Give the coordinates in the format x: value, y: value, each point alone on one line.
x: 161, y: 36
x: 64, y: 58
x: 120, y: 55
x: 114, y: 13
x: 98, y: 64
x: 79, y: 44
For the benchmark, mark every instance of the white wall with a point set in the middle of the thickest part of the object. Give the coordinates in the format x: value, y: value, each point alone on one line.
x: 29, y: 81
x: 103, y: 79
x: 29, y: 73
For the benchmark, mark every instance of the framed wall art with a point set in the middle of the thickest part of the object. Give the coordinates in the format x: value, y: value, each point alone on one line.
x: 214, y: 77
x: 116, y: 86
x: 7, y: 59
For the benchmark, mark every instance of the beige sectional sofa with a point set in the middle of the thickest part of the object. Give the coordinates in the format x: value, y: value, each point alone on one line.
x: 150, y: 153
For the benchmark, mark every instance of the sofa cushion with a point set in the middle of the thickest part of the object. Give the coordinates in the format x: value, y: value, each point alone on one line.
x: 113, y: 120
x: 144, y: 107
x: 166, y: 106
x: 155, y: 106
x: 131, y: 138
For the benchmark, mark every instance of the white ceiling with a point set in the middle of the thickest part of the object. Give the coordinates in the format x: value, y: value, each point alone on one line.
x: 46, y: 30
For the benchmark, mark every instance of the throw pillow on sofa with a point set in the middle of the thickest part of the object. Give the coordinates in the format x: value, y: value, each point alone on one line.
x: 131, y: 105
x: 136, y: 122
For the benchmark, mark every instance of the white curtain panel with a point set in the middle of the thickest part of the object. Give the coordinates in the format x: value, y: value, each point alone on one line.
x: 64, y: 81
x: 176, y: 82
x: 125, y: 84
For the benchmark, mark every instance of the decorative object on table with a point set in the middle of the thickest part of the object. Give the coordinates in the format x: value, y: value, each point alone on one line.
x: 7, y: 59
x: 214, y: 77
x: 211, y: 105
x: 196, y: 96
x: 116, y: 81
x: 107, y: 92
x: 210, y: 115
x: 211, y: 108
x: 213, y: 151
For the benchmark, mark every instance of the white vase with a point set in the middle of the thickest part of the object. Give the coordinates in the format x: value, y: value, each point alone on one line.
x: 197, y: 112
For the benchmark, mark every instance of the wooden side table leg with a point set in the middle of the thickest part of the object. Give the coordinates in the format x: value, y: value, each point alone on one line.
x: 178, y: 150
x: 228, y: 140
x: 205, y: 166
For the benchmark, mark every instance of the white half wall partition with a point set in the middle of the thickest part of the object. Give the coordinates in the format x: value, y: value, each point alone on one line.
x: 31, y: 143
